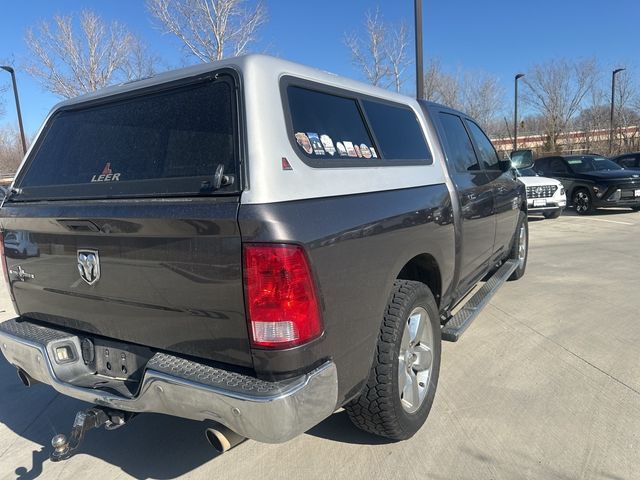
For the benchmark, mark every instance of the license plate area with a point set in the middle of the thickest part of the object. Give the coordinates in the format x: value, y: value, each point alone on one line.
x: 637, y: 193
x: 539, y: 202
x: 114, y: 359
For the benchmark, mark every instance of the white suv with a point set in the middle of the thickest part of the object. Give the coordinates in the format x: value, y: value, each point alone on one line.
x: 544, y: 195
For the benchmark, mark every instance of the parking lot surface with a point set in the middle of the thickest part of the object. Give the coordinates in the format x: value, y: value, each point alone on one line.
x: 544, y: 384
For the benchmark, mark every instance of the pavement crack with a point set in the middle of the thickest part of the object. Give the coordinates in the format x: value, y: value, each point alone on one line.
x: 576, y: 355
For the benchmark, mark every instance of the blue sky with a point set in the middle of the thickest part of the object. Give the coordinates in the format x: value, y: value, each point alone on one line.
x: 500, y: 37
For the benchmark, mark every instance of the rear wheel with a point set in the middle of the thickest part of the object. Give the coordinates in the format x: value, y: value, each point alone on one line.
x: 520, y: 247
x: 552, y: 214
x: 582, y: 201
x: 402, y: 382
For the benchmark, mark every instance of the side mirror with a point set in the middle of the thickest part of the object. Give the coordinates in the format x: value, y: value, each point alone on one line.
x: 522, y: 159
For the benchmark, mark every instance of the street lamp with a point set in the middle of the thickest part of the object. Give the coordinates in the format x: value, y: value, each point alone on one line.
x: 515, y: 111
x: 15, y: 94
x: 418, y: 29
x: 613, y: 91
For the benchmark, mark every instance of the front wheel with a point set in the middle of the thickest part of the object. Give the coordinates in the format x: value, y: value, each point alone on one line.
x: 398, y: 395
x: 582, y: 201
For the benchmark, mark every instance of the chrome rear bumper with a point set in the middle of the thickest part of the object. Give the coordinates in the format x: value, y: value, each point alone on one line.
x: 271, y: 412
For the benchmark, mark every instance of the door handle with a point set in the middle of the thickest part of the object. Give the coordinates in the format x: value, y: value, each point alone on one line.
x: 472, y: 196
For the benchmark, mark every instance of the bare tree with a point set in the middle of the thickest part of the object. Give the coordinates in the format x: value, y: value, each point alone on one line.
x: 368, y: 53
x: 68, y: 63
x: 432, y: 81
x: 10, y: 150
x: 210, y: 29
x: 556, y: 91
x: 478, y: 94
x: 395, y: 47
x: 482, y: 97
x: 626, y: 96
x: 3, y: 88
x: 381, y: 52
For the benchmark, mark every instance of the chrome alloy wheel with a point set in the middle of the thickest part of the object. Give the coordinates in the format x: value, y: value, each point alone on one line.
x: 581, y: 201
x: 415, y: 360
x: 522, y: 245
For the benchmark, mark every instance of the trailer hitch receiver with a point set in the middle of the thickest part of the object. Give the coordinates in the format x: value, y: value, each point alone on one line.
x: 95, y: 417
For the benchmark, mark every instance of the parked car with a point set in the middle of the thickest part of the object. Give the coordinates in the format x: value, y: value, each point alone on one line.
x: 629, y: 161
x: 18, y: 244
x: 592, y: 181
x: 278, y: 242
x: 545, y: 196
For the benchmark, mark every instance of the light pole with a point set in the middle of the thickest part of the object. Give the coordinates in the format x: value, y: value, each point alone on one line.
x: 515, y: 111
x: 613, y: 99
x: 418, y: 30
x: 15, y: 94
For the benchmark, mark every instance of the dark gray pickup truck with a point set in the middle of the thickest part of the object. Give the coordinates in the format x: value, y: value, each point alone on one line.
x: 254, y: 243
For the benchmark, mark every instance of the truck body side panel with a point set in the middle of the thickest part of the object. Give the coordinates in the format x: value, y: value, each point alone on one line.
x: 357, y: 246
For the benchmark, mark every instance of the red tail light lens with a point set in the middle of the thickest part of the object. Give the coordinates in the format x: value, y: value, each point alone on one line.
x: 281, y: 297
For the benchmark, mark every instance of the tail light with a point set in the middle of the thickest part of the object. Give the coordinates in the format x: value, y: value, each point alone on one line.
x: 282, y: 304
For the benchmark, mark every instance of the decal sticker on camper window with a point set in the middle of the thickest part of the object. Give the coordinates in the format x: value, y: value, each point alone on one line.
x: 315, y: 143
x: 350, y: 150
x: 304, y: 142
x: 327, y: 143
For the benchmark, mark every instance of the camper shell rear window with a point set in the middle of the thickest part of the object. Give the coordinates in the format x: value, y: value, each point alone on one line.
x: 154, y: 142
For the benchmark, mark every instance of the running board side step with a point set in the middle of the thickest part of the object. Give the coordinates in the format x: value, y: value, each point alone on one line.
x: 457, y: 324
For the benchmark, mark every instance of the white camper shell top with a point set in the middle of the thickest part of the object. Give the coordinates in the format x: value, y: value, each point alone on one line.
x: 268, y: 141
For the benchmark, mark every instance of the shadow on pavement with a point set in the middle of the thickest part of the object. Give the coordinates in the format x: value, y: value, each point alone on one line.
x: 339, y: 428
x: 151, y: 446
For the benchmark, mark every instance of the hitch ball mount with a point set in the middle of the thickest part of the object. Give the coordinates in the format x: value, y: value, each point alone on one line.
x: 94, y: 417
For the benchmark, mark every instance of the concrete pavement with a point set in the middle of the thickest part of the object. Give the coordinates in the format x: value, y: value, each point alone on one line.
x: 544, y: 385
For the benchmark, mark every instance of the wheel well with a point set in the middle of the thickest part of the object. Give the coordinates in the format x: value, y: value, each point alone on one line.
x: 424, y: 268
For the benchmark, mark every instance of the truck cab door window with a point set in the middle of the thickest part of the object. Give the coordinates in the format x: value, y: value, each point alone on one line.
x: 486, y: 153
x: 474, y: 194
x: 505, y: 188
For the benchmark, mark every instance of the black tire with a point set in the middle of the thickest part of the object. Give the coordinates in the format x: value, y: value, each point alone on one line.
x: 379, y: 408
x: 552, y: 214
x: 582, y: 201
x: 515, y: 247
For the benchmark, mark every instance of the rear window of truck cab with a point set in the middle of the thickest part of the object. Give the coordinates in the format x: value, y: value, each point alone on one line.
x: 331, y: 127
x: 167, y: 142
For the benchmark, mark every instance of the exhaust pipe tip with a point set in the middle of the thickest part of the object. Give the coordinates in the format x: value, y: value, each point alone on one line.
x: 26, y: 379
x: 223, y: 439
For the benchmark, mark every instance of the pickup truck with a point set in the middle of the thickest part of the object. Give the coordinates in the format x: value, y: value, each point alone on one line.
x: 256, y: 243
